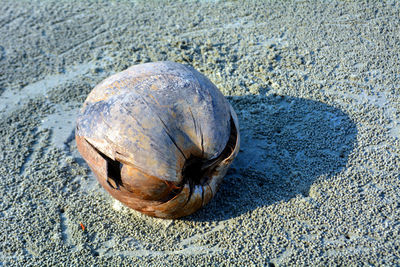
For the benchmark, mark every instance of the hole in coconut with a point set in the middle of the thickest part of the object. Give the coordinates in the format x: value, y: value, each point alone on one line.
x: 113, y: 169
x: 197, y: 171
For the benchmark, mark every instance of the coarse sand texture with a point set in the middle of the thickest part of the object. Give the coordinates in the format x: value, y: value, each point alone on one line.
x: 316, y: 89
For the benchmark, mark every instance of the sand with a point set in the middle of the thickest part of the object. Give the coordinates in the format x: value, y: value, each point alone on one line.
x: 316, y: 90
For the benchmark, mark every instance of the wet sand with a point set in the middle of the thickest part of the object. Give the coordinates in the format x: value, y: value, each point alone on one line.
x: 316, y: 90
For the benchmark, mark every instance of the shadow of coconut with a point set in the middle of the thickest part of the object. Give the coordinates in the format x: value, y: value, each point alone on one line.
x: 287, y: 143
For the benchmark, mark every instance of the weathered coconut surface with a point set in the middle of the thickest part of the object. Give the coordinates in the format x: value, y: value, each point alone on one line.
x: 164, y: 134
x: 155, y: 116
x: 315, y: 87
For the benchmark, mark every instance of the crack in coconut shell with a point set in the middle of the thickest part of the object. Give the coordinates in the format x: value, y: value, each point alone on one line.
x: 159, y: 137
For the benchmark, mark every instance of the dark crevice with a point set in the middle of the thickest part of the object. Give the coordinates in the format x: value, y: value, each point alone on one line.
x: 197, y: 171
x: 113, y: 169
x: 114, y: 173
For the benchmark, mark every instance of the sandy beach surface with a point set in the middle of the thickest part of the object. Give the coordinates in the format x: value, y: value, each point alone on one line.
x: 316, y: 86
